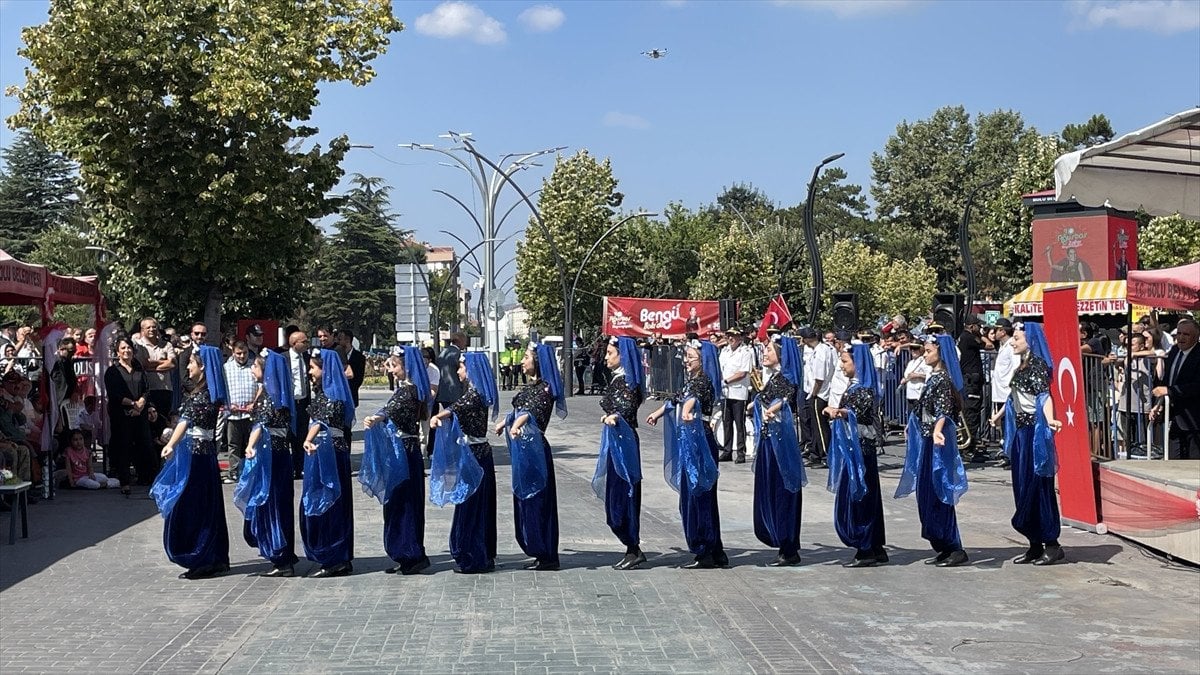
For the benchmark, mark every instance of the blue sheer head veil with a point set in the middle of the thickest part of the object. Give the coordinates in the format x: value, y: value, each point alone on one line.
x: 864, y: 368
x: 333, y: 382
x: 414, y: 367
x: 479, y: 372
x: 214, y: 373
x: 710, y: 361
x: 631, y: 363
x: 277, y: 380
x: 1035, y: 337
x: 949, y: 355
x: 548, y: 371
x: 789, y: 360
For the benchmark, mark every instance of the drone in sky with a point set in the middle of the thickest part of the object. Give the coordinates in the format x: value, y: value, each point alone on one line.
x: 655, y: 53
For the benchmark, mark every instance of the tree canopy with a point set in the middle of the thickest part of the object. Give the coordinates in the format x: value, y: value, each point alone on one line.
x: 187, y: 121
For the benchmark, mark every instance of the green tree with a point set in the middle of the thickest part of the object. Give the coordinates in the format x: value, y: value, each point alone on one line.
x: 354, y: 276
x: 578, y: 204
x: 1168, y: 241
x: 187, y: 121
x: 1095, y: 131
x: 669, y: 250
x: 923, y: 176
x: 38, y: 192
x: 1007, y: 220
x: 885, y: 286
x: 449, y: 307
x: 735, y: 266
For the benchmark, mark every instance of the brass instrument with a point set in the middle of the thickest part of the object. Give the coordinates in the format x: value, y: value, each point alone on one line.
x: 962, y: 431
x: 756, y: 380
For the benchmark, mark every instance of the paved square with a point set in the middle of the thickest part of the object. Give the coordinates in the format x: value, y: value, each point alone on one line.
x: 92, y: 591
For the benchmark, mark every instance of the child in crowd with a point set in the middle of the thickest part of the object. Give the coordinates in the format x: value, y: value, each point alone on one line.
x: 79, y: 466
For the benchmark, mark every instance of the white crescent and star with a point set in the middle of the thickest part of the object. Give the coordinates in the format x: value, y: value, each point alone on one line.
x: 1066, y: 367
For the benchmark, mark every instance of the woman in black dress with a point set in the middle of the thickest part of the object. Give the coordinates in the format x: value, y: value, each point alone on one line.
x: 126, y: 387
x: 473, y: 529
x: 698, y: 507
x: 195, y: 534
x: 620, y: 467
x: 404, y: 508
x: 536, y: 514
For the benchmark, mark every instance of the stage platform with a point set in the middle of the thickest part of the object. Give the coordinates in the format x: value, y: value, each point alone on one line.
x: 1154, y: 503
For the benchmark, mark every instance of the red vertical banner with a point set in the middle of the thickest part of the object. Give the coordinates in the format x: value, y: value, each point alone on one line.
x: 1076, y: 482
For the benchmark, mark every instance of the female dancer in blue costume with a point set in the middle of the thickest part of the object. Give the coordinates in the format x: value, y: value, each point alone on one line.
x: 327, y: 513
x: 271, y: 526
x: 619, y: 468
x: 536, y: 514
x: 698, y: 507
x: 404, y: 508
x: 853, y: 464
x: 932, y: 465
x: 778, y: 469
x: 188, y: 491
x: 473, y: 529
x: 1029, y: 443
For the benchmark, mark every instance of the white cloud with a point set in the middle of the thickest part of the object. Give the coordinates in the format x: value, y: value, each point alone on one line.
x: 461, y: 19
x: 542, y: 18
x: 1159, y: 16
x: 625, y: 120
x: 845, y: 9
x: 674, y: 3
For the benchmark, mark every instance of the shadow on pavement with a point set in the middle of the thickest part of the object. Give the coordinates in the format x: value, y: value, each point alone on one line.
x: 74, y: 520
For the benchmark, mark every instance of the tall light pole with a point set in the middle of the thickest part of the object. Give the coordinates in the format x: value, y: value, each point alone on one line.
x: 489, y: 186
x: 964, y: 245
x: 810, y: 240
x: 568, y: 338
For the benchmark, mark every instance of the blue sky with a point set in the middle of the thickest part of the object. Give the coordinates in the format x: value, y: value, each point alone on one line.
x: 752, y: 92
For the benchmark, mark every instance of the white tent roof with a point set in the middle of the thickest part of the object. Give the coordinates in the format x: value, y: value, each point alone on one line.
x: 1156, y: 169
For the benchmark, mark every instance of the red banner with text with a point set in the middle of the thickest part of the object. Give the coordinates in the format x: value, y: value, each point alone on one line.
x: 1076, y: 481
x: 667, y: 318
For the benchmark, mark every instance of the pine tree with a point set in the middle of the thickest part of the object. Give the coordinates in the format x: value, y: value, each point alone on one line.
x: 37, y: 193
x: 354, y: 274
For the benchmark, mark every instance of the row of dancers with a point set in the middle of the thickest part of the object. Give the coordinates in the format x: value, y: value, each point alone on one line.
x: 462, y: 472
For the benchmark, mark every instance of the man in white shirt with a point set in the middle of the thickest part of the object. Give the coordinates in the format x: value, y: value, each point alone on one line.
x: 737, y: 360
x: 819, y: 364
x: 1004, y: 367
x: 242, y: 389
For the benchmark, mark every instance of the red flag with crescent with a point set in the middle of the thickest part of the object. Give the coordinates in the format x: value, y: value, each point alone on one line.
x: 777, y: 314
x: 1076, y: 482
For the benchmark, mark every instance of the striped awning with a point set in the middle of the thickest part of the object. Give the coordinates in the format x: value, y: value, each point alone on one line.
x: 1093, y: 297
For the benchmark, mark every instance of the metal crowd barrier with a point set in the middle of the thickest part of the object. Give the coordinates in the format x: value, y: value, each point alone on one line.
x: 664, y: 370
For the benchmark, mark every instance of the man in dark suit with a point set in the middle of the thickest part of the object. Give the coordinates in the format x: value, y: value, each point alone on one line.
x: 1180, y: 384
x: 198, y: 336
x: 297, y: 356
x: 356, y: 361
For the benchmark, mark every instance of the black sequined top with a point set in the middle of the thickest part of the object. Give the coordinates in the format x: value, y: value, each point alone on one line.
x: 472, y: 413
x: 778, y: 387
x: 862, y: 401
x: 699, y: 387
x: 202, y: 413
x: 331, y: 413
x: 267, y: 414
x: 937, y: 400
x: 1027, y: 384
x: 403, y: 409
x: 619, y: 400
x: 535, y: 398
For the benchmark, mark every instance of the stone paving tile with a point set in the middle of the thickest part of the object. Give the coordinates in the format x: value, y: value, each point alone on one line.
x: 91, y: 591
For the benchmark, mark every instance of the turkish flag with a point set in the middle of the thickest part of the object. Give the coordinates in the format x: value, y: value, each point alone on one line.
x: 777, y: 314
x: 1076, y: 482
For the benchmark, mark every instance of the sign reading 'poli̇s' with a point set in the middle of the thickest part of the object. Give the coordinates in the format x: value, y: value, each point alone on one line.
x: 668, y: 318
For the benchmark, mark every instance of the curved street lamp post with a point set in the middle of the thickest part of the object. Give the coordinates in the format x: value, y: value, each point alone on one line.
x: 810, y: 239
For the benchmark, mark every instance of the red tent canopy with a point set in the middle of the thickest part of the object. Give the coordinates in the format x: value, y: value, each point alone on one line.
x: 21, y: 283
x: 1172, y: 288
x: 27, y: 284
